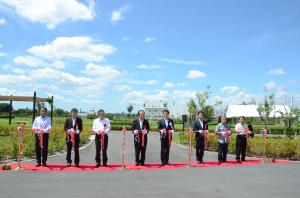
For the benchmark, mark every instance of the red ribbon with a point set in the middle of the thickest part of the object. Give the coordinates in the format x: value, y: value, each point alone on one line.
x: 41, y: 139
x: 227, y: 136
x: 205, y: 136
x: 143, y: 138
x: 72, y: 134
x: 264, y: 133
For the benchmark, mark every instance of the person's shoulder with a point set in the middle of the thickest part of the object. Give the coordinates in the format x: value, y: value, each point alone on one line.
x: 95, y: 120
x: 171, y: 120
x: 106, y: 119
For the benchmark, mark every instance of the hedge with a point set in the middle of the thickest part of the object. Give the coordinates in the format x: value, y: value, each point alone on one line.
x: 288, y: 148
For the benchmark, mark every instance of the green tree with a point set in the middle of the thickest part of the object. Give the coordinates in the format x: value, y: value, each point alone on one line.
x: 265, y: 108
x: 4, y: 107
x: 192, y: 109
x: 129, y: 108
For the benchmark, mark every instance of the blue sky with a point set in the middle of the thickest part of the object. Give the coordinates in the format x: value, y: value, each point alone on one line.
x: 106, y: 54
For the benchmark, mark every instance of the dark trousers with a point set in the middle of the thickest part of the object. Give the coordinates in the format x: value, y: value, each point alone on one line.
x: 200, y: 147
x: 41, y: 153
x: 76, y: 148
x: 240, y: 149
x: 222, y: 152
x: 140, y: 151
x: 99, y: 148
x: 164, y: 149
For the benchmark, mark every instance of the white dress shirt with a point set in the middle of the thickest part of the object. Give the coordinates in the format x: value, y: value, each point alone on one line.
x: 141, y: 123
x: 42, y: 123
x: 241, y: 129
x: 98, y: 125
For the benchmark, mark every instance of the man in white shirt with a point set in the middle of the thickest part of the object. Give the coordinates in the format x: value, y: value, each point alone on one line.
x: 242, y: 131
x: 41, y: 127
x: 101, y: 127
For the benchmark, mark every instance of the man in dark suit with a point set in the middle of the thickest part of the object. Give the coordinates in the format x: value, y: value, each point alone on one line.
x: 200, y: 127
x: 73, y: 127
x: 140, y: 128
x: 166, y: 128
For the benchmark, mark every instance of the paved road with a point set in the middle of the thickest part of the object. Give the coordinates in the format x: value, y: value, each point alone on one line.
x: 265, y: 180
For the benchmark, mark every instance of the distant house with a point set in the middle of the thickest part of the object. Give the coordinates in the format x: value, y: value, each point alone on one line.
x: 154, y: 109
x: 234, y: 111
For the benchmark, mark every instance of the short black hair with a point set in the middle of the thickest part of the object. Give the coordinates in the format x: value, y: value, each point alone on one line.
x: 74, y: 109
x: 140, y: 111
x: 201, y: 112
x: 100, y: 111
x: 45, y: 109
x: 166, y: 111
x: 242, y: 117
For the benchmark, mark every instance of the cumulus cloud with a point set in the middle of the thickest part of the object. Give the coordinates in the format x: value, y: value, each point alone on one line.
x: 119, y: 14
x: 192, y: 74
x: 77, y: 47
x: 144, y: 66
x: 276, y: 72
x: 35, y: 62
x: 2, y: 21
x: 51, y: 12
x: 230, y: 89
x: 149, y: 39
x: 168, y: 85
x: 181, y: 62
x: 271, y: 86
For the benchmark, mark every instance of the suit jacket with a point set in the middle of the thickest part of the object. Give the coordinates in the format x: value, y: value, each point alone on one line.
x: 69, y: 124
x: 197, y: 126
x: 136, y: 125
x: 162, y: 125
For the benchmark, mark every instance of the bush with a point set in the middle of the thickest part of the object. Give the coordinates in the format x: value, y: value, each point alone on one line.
x: 286, y: 147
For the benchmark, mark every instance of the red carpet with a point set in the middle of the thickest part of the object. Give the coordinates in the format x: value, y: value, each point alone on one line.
x: 149, y: 166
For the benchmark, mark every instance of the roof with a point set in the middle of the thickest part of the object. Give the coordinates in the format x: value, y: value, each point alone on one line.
x: 251, y: 111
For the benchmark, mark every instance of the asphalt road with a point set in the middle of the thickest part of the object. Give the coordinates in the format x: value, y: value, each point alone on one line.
x: 263, y: 180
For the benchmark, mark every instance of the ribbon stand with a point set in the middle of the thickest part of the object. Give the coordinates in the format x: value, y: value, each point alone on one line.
x: 123, y: 168
x: 264, y: 136
x: 20, y: 132
x: 190, y: 132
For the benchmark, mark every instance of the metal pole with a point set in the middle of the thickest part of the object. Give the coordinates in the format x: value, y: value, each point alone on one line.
x: 52, y: 110
x: 10, y: 110
x: 33, y: 109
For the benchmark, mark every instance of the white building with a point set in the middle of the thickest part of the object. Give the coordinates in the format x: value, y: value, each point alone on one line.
x: 154, y: 109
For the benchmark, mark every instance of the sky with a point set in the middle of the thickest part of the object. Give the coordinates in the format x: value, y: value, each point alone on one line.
x: 106, y: 54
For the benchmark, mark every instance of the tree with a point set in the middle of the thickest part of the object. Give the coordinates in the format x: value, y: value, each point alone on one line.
x: 202, y: 100
x: 192, y: 109
x: 209, y: 112
x: 4, y: 107
x: 289, y: 118
x: 129, y: 108
x: 265, y: 108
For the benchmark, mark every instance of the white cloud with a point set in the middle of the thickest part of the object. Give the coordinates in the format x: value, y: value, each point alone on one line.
x: 77, y: 47
x: 181, y: 84
x: 91, y: 101
x: 35, y: 62
x: 184, y: 94
x: 2, y: 21
x: 168, y: 85
x: 118, y: 14
x: 3, y: 54
x: 14, y: 79
x: 277, y: 72
x: 51, y: 12
x: 149, y: 39
x: 195, y: 74
x: 121, y: 87
x: 125, y: 38
x: 183, y: 62
x: 144, y: 66
x: 104, y: 72
x: 230, y: 89
x: 148, y: 82
x: 271, y: 86
x: 6, y: 92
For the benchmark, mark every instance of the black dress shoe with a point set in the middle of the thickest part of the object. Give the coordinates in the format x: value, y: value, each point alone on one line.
x: 137, y: 164
x: 45, y: 164
x: 243, y: 160
x: 105, y: 164
x: 77, y: 165
x: 201, y: 162
x: 238, y: 161
x: 162, y: 164
x: 97, y: 165
x: 68, y: 164
x: 142, y: 164
x: 198, y: 162
x: 37, y: 165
